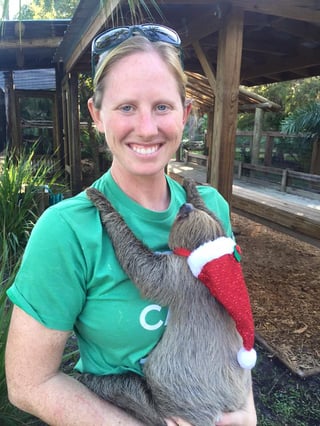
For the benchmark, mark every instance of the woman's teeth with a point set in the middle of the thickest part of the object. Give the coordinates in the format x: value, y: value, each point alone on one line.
x: 145, y: 150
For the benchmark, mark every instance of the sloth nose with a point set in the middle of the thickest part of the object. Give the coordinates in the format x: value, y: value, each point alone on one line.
x: 185, y: 210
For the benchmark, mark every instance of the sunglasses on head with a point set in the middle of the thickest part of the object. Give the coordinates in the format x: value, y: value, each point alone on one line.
x: 112, y: 38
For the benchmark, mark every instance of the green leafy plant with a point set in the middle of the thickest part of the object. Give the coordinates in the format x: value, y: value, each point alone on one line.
x: 22, y: 180
x: 304, y: 120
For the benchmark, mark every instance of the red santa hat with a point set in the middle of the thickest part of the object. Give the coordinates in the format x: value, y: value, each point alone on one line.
x: 217, y: 264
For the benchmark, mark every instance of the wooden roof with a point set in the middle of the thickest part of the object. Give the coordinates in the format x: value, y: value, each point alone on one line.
x: 281, y: 38
x: 201, y: 93
x: 30, y: 44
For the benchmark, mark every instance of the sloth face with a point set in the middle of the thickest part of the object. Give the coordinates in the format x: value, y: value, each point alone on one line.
x: 193, y: 227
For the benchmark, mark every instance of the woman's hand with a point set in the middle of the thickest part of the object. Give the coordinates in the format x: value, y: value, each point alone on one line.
x: 177, y: 422
x: 244, y: 417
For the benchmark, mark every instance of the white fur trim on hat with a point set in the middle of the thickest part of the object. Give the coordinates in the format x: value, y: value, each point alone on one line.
x: 209, y: 251
x: 247, y: 359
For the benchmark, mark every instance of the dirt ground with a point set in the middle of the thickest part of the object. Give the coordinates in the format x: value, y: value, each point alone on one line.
x: 283, y: 277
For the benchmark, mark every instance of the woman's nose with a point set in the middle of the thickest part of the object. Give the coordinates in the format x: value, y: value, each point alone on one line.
x: 146, y: 125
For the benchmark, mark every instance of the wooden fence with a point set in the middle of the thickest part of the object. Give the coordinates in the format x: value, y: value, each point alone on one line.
x: 285, y: 180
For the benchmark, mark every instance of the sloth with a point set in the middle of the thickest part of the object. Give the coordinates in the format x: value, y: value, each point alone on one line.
x: 193, y: 372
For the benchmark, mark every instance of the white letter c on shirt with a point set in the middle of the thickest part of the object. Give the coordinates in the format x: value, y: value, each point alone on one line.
x: 143, y: 318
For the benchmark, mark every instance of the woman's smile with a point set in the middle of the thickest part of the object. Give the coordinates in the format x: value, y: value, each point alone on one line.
x: 145, y: 149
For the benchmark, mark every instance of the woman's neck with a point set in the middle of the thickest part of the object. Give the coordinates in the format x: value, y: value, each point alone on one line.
x: 151, y: 192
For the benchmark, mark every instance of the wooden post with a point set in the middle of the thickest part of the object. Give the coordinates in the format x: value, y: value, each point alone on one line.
x: 210, y: 142
x: 257, y: 131
x: 284, y: 180
x: 76, y: 175
x: 315, y: 158
x: 239, y: 169
x: 59, y: 116
x: 13, y: 126
x: 226, y: 102
x: 268, y: 150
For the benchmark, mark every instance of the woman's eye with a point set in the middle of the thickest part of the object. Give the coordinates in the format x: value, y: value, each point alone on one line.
x: 162, y: 107
x: 126, y: 108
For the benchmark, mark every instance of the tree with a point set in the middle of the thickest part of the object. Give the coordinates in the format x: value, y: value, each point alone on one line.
x: 48, y: 9
x: 306, y: 120
x: 60, y: 9
x: 289, y: 94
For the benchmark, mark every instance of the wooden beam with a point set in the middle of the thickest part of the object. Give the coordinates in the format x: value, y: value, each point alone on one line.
x: 30, y: 43
x: 284, y: 64
x: 249, y: 94
x: 265, y: 47
x: 251, y: 107
x: 298, y: 29
x: 205, y: 65
x: 204, y: 25
x: 226, y: 102
x: 95, y: 26
x: 210, y: 74
x: 300, y: 10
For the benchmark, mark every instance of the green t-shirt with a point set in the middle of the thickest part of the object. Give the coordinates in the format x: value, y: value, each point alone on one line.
x: 70, y: 278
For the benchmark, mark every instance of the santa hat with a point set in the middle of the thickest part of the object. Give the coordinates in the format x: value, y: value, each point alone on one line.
x: 217, y: 264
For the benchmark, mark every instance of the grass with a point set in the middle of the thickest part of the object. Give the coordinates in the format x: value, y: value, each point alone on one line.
x: 283, y: 398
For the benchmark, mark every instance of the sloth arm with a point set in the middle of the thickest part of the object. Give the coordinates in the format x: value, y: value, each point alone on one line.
x: 154, y: 274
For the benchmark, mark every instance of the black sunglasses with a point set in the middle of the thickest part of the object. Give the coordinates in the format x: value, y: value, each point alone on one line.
x: 112, y: 38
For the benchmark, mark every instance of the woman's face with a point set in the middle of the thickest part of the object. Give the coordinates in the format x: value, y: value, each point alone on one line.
x: 141, y: 115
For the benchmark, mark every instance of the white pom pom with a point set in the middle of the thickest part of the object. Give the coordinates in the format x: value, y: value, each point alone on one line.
x: 247, y: 359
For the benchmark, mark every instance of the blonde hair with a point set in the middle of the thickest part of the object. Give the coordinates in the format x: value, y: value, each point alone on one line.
x: 169, y: 54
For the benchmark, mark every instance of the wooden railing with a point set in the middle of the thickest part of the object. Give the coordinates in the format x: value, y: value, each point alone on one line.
x: 192, y: 157
x: 286, y: 180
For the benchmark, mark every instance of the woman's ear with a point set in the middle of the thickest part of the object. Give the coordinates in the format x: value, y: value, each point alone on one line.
x: 95, y: 114
x: 187, y: 110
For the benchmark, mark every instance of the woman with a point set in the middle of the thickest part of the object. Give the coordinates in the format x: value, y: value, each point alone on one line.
x: 70, y: 278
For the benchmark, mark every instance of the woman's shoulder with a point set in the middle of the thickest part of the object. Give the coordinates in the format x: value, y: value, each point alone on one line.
x: 75, y: 207
x: 207, y: 192
x: 211, y: 193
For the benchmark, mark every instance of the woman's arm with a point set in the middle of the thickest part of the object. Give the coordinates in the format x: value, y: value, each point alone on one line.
x: 35, y: 384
